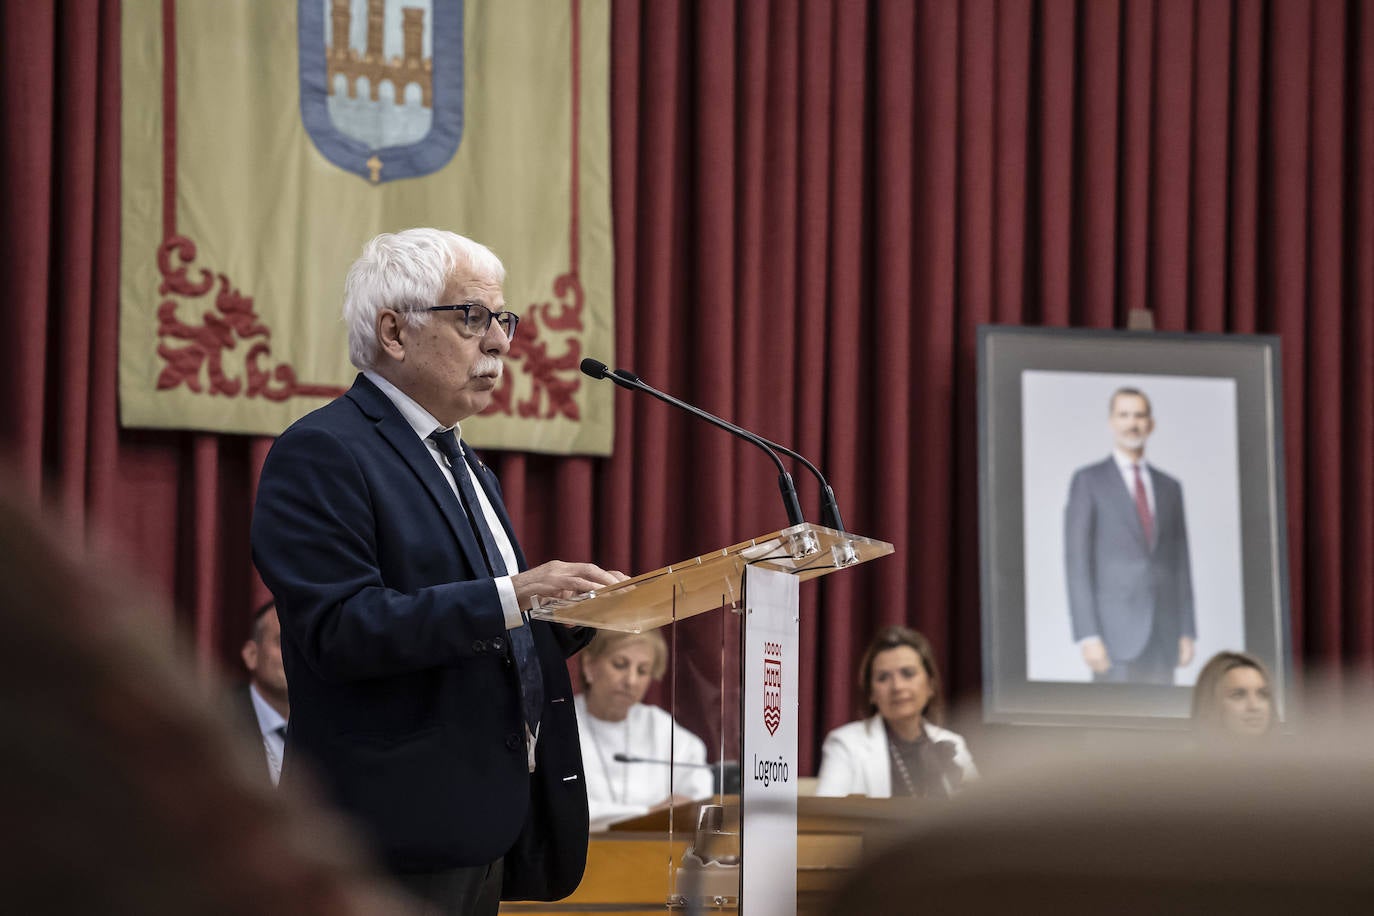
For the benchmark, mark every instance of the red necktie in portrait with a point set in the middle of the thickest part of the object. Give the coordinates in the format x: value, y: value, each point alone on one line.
x: 1142, y: 507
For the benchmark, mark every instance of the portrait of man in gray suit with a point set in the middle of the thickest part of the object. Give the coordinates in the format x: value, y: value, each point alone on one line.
x: 1130, y: 586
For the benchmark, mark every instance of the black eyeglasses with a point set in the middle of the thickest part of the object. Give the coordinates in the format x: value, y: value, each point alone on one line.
x: 477, y: 318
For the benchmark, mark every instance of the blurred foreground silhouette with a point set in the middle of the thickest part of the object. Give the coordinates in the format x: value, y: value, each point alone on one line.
x: 1148, y: 824
x: 124, y: 789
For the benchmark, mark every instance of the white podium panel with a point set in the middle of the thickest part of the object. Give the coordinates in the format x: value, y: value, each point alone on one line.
x: 768, y: 792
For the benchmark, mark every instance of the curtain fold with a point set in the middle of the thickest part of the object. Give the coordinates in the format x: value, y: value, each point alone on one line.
x: 816, y: 203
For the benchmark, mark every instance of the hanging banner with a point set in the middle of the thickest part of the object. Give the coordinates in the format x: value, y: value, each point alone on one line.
x: 264, y: 143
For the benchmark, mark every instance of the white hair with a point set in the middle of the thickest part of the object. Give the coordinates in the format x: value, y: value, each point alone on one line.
x: 406, y: 270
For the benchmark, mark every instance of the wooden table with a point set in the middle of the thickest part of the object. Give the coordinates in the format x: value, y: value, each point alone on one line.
x: 629, y: 871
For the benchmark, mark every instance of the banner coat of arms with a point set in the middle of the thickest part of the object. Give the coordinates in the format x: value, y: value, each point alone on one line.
x: 263, y: 143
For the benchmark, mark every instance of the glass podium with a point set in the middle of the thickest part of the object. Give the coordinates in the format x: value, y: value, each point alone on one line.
x: 732, y: 681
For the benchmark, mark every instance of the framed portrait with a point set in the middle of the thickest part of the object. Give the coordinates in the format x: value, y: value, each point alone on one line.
x: 1132, y: 520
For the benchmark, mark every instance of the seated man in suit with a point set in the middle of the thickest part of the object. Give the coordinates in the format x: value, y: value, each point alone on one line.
x: 429, y: 705
x: 1130, y: 580
x: 263, y: 699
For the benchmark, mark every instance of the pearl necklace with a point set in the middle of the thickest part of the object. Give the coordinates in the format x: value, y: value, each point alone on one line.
x: 596, y: 733
x: 897, y: 758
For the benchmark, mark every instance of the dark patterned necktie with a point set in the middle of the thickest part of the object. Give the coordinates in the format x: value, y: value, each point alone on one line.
x: 521, y: 639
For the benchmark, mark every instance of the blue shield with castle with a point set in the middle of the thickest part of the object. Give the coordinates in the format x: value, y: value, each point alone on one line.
x: 382, y: 83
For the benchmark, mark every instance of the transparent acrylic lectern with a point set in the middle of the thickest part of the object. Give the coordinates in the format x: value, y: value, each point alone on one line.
x: 736, y: 682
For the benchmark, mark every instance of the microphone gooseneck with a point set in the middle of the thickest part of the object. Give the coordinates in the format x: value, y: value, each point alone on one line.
x: 830, y: 509
x: 620, y: 757
x: 597, y: 369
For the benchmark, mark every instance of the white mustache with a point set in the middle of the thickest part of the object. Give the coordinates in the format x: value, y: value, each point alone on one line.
x: 488, y: 365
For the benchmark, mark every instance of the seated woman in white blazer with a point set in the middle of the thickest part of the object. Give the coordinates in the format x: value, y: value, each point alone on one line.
x: 901, y: 748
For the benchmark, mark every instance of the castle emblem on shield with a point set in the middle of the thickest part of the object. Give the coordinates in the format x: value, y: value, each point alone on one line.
x: 382, y: 83
x: 772, y: 686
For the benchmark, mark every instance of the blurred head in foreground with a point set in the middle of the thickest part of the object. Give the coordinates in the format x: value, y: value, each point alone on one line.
x: 1232, y: 698
x: 1140, y: 831
x: 124, y: 789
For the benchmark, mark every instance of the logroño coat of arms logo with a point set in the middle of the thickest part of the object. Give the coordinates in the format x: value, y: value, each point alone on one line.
x: 772, y: 686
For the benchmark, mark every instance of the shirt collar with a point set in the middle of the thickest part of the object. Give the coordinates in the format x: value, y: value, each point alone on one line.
x: 1124, y: 462
x: 269, y: 720
x: 420, y: 420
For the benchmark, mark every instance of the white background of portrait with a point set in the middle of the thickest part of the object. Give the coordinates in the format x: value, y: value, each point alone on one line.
x: 1064, y: 427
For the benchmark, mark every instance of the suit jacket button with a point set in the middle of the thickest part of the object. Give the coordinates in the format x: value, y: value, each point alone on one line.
x: 498, y: 644
x: 513, y: 742
x: 478, y: 646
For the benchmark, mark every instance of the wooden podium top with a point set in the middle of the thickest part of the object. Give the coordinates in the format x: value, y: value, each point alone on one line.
x: 712, y: 580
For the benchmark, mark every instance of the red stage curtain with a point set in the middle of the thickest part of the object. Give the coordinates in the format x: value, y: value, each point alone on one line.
x: 816, y: 202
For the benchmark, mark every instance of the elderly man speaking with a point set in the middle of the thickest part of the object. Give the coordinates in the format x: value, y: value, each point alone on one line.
x: 422, y: 696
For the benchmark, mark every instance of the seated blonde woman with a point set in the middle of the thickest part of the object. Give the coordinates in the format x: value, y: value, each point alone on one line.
x: 1232, y: 698
x: 901, y: 748
x: 612, y: 720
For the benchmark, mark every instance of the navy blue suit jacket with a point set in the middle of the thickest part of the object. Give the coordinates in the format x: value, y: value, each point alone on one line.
x: 404, y: 698
x: 1120, y: 587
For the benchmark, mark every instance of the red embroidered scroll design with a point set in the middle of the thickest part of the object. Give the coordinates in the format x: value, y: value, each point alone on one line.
x: 188, y: 349
x: 555, y: 379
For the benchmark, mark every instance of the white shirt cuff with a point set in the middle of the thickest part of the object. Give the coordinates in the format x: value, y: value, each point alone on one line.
x: 509, y: 607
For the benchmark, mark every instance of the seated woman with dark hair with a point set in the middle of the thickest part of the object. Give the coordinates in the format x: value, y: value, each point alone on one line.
x: 1232, y: 698
x: 901, y: 748
x: 626, y: 743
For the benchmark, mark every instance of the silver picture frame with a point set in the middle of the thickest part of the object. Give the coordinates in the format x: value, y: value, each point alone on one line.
x: 1217, y: 435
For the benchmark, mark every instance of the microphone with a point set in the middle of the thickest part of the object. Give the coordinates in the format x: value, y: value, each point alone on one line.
x: 726, y: 775
x: 598, y: 370
x: 619, y: 757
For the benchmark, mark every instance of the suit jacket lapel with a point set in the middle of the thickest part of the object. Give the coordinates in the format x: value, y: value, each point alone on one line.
x: 392, y: 427
x: 1164, y: 504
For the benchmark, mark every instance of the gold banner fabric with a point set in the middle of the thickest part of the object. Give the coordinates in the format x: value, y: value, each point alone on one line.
x: 265, y: 142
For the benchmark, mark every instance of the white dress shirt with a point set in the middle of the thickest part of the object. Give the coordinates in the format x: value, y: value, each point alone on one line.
x: 1126, y: 466
x: 269, y: 723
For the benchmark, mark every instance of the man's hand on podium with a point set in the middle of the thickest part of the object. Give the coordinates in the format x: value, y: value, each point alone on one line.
x: 557, y: 579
